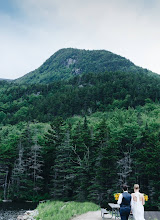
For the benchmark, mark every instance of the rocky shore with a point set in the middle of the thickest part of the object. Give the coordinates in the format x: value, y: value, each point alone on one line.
x: 28, y: 215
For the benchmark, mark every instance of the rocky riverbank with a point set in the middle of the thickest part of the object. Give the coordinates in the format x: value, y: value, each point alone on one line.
x: 9, y: 215
x: 10, y: 210
x: 28, y: 215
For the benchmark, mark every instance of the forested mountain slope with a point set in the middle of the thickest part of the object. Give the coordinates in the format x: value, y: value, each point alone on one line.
x: 66, y: 63
x: 1, y: 79
x: 83, y: 94
x: 88, y: 131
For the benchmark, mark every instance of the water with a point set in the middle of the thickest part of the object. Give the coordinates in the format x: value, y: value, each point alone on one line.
x: 11, y: 210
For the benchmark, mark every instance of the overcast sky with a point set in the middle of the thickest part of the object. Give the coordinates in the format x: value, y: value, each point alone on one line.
x: 32, y: 30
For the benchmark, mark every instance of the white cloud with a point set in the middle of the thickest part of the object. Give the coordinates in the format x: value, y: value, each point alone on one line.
x: 128, y: 28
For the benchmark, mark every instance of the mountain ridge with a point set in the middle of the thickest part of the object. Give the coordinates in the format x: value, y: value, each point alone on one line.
x: 8, y: 80
x: 68, y: 62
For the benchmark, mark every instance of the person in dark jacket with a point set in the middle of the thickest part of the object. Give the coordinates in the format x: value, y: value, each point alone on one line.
x: 125, y: 203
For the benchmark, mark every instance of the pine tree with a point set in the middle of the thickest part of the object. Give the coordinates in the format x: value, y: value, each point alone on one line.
x: 35, y: 168
x: 52, y: 140
x: 19, y: 174
x: 124, y: 169
x: 82, y: 148
x: 7, y: 156
x: 63, y: 172
x: 104, y: 176
x: 148, y: 163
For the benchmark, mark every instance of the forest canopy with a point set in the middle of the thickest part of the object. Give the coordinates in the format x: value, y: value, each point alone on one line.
x: 81, y: 137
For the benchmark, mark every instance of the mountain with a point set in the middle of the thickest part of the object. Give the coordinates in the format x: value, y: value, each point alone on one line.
x: 66, y: 63
x: 8, y: 80
x: 90, y: 133
x: 111, y: 118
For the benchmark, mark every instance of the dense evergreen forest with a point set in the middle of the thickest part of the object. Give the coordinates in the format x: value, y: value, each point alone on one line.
x: 81, y: 138
x: 83, y: 94
x: 83, y: 158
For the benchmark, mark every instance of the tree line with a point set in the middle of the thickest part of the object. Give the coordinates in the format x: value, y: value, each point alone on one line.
x: 83, y: 157
x: 82, y: 95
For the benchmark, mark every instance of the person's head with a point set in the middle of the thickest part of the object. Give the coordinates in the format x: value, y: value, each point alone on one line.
x: 136, y: 187
x: 125, y: 187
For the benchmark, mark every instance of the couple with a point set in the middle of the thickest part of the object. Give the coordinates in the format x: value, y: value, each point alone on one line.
x: 131, y: 202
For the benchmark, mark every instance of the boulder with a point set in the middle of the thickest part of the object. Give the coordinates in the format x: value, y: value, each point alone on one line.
x: 28, y: 215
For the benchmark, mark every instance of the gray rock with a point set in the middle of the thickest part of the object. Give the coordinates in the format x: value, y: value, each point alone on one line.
x: 28, y: 215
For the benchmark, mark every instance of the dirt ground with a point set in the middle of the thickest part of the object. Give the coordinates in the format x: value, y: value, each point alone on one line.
x: 90, y: 216
x: 152, y: 215
x: 97, y: 216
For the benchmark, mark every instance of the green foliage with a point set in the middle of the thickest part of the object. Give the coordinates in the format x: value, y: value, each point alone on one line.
x: 82, y: 138
x: 82, y: 95
x: 66, y: 63
x: 64, y: 210
x: 17, y: 162
x: 83, y: 158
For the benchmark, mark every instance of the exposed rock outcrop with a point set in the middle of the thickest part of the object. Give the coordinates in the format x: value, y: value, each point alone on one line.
x: 28, y: 215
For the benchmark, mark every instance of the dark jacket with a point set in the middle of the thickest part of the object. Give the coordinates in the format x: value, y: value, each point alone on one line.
x: 126, y: 200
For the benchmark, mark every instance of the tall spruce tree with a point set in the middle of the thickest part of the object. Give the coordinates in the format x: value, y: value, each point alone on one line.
x: 82, y: 147
x: 63, y: 173
x: 52, y: 140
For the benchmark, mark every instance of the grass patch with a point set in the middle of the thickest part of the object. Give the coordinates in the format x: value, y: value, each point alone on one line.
x: 56, y: 210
